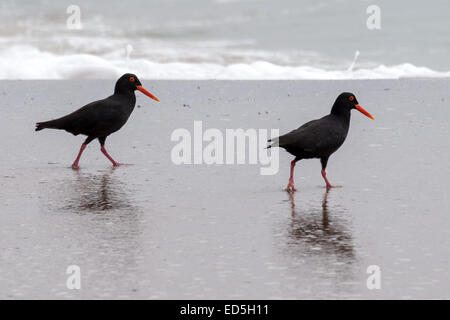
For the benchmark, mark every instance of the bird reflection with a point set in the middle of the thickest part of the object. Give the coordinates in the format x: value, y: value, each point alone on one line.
x: 97, y: 193
x: 97, y: 218
x: 319, y: 233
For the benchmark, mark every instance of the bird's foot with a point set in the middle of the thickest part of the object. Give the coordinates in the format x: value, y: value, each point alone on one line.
x: 332, y: 187
x: 75, y: 166
x: 290, y: 187
x: 117, y: 164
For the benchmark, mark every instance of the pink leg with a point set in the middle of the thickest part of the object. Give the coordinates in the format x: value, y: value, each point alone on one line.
x: 290, y: 187
x: 324, y: 175
x: 75, y: 164
x: 115, y: 164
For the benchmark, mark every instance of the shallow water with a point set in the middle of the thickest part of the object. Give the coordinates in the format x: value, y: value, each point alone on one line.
x: 157, y: 230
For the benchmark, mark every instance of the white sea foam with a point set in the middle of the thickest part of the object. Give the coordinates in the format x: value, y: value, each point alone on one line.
x: 27, y: 62
x: 220, y: 39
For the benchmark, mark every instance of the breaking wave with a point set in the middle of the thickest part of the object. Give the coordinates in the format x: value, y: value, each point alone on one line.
x: 28, y: 62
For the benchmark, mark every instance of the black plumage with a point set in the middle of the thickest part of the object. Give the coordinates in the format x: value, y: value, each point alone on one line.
x: 322, y: 137
x: 99, y: 119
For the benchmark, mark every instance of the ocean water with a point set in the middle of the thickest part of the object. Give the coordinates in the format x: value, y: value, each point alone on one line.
x: 224, y: 39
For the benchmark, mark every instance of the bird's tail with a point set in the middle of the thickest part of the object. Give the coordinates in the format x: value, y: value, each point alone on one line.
x: 52, y: 124
x: 275, y: 142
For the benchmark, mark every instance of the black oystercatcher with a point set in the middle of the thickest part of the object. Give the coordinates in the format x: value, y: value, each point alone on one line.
x: 320, y: 138
x: 97, y: 120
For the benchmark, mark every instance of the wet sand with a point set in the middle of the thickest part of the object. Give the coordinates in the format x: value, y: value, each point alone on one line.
x: 158, y: 230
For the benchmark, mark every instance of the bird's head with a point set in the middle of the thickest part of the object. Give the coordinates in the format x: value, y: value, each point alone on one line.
x: 129, y: 83
x: 347, y: 101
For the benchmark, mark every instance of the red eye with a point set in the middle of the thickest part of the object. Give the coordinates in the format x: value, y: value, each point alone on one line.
x: 351, y: 98
x: 132, y: 79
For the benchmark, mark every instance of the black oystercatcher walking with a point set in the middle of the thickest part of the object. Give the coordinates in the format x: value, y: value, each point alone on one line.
x: 97, y: 120
x: 320, y: 138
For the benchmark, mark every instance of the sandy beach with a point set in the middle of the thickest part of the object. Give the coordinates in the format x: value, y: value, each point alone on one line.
x: 156, y: 230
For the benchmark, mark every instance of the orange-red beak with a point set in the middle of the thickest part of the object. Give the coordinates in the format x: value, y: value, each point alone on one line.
x: 364, y: 112
x: 142, y: 89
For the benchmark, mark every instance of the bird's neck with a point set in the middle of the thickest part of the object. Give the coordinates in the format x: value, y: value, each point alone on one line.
x: 125, y: 93
x: 342, y: 113
x: 127, y: 98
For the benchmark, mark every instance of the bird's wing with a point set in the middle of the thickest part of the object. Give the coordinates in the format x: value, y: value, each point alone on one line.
x: 288, y: 138
x: 88, y: 117
x: 313, y: 136
x: 293, y: 136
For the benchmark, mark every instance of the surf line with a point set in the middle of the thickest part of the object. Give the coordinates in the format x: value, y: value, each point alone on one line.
x: 234, y: 147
